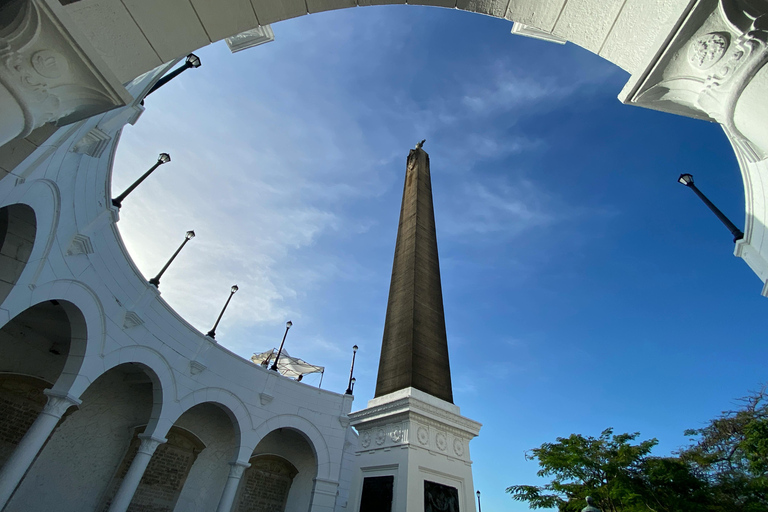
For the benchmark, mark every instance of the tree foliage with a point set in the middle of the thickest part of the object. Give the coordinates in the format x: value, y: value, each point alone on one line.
x: 724, y: 469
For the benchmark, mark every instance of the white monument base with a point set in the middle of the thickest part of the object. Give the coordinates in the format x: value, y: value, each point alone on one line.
x: 410, y: 437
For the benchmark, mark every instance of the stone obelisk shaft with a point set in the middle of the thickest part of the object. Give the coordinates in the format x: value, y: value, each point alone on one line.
x: 414, y: 351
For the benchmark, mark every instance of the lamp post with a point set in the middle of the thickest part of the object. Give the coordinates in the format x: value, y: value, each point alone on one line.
x: 193, y: 61
x: 164, y: 158
x: 352, y: 385
x: 351, y: 370
x: 687, y: 180
x: 156, y: 280
x: 478, y: 502
x: 212, y: 332
x: 288, y: 325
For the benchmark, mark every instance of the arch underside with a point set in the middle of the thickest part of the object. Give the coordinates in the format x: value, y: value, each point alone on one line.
x: 135, y: 37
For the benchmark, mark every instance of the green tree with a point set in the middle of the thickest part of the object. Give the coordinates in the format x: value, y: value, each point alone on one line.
x: 724, y: 470
x: 608, y: 468
x: 731, y: 454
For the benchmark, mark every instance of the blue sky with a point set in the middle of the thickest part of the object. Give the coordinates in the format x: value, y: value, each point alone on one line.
x: 583, y: 287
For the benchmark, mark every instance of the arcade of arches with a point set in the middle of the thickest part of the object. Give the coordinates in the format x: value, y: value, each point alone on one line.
x: 108, y: 399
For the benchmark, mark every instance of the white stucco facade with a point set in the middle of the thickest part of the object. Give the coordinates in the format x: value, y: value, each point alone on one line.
x: 79, y: 320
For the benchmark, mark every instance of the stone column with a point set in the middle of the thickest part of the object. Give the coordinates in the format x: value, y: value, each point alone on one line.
x: 17, y: 465
x: 236, y: 471
x: 132, y: 478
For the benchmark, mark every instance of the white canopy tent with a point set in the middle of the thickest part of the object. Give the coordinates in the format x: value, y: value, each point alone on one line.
x: 287, y: 365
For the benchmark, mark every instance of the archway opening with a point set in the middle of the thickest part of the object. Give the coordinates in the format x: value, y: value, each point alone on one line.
x: 89, y: 442
x: 188, y: 472
x: 281, y: 476
x: 18, y: 228
x: 35, y: 347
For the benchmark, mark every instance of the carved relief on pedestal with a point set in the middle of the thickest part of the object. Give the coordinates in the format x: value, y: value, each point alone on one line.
x: 380, y: 437
x: 365, y: 439
x: 458, y: 447
x: 422, y: 435
x: 706, y: 65
x: 396, y: 434
x: 441, y: 441
x: 46, y: 74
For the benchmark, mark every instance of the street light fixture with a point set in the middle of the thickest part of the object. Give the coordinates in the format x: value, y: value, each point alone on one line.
x: 478, y: 502
x: 352, y: 385
x: 351, y: 370
x: 687, y: 180
x: 212, y: 332
x: 192, y: 61
x: 164, y: 158
x: 156, y: 280
x: 288, y: 325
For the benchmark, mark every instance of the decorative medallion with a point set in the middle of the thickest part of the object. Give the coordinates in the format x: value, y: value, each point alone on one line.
x: 707, y: 50
x: 365, y: 439
x: 49, y: 63
x: 442, y: 442
x: 380, y: 436
x: 422, y: 435
x: 397, y: 434
x: 458, y: 447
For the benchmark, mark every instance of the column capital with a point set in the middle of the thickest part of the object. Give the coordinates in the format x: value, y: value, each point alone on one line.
x: 58, y: 403
x: 237, y: 468
x: 149, y: 443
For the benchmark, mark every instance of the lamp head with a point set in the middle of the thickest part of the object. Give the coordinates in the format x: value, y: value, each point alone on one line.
x: 234, y: 289
x: 353, y: 381
x: 685, y: 179
x: 193, y: 60
x: 190, y: 235
x: 354, y: 348
x: 288, y: 324
x: 164, y: 158
x: 478, y: 494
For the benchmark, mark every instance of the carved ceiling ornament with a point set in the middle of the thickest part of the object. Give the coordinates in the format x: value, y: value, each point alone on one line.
x: 49, y: 75
x: 704, y: 69
x: 707, y: 50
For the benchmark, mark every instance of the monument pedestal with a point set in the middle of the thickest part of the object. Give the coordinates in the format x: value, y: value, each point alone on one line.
x: 414, y: 451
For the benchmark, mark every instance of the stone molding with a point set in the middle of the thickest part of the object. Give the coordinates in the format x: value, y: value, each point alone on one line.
x: 413, y: 407
x: 408, y: 421
x: 46, y: 70
x: 93, y: 143
x: 80, y: 244
x: 250, y: 38
x: 131, y: 320
x: 519, y: 29
x: 196, y: 367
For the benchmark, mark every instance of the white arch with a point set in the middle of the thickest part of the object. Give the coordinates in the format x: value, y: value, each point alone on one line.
x: 155, y: 366
x: 229, y: 403
x: 44, y: 198
x: 86, y: 318
x: 312, y: 434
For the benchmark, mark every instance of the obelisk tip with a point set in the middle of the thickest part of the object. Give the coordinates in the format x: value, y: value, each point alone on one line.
x: 420, y: 144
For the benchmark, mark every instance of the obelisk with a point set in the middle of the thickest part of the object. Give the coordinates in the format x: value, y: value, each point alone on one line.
x: 414, y: 351
x: 413, y: 452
